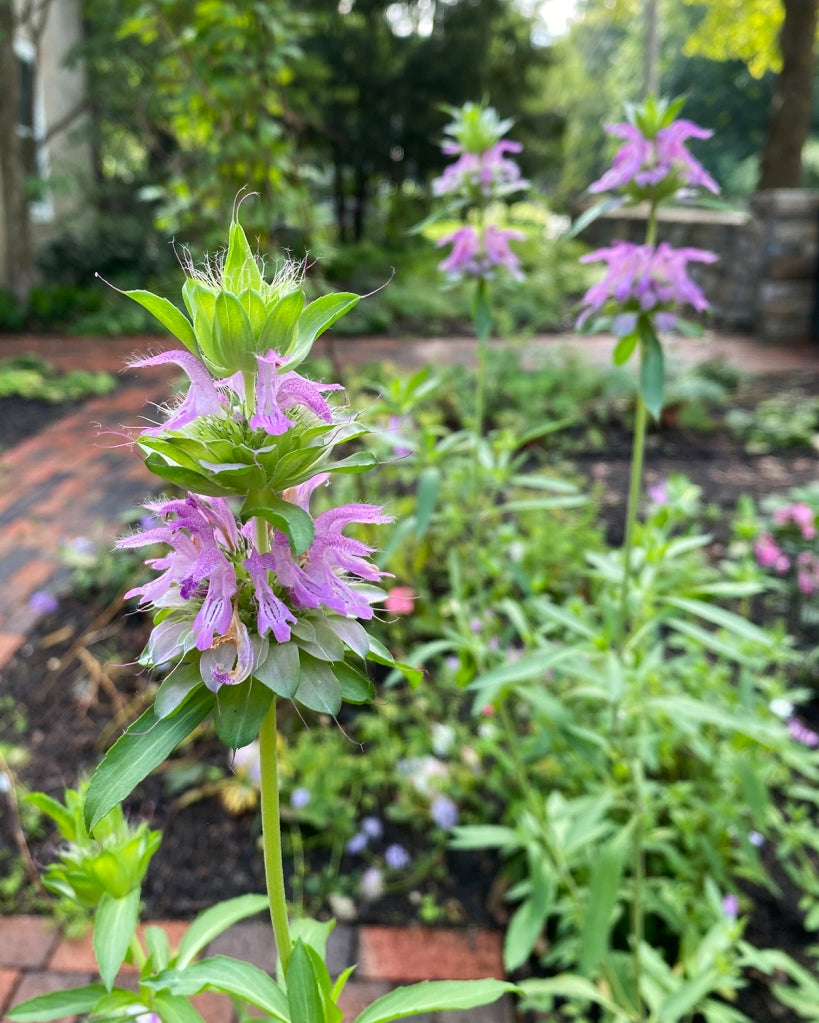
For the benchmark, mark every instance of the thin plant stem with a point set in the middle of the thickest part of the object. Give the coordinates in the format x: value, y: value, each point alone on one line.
x: 637, y: 912
x: 269, y: 803
x: 272, y: 835
x: 635, y: 486
x: 482, y: 317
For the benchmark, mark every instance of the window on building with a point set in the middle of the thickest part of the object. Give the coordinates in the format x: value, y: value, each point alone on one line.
x: 30, y: 130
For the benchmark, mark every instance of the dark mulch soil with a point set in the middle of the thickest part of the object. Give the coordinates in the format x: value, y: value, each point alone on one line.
x: 207, y: 855
x: 21, y: 418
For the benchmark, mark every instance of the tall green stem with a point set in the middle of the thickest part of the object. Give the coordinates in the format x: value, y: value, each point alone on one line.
x: 482, y: 317
x: 272, y: 834
x: 635, y: 486
x: 269, y: 801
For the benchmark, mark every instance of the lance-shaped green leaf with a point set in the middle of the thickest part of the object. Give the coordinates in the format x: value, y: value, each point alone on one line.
x: 355, y: 686
x: 78, y: 1001
x: 434, y: 996
x: 168, y: 315
x: 293, y: 521
x: 303, y: 990
x: 239, y: 713
x: 213, y: 921
x: 114, y: 925
x: 624, y: 348
x: 174, y: 1009
x: 652, y: 370
x: 604, y: 891
x: 141, y: 749
x: 231, y: 976
x: 316, y: 318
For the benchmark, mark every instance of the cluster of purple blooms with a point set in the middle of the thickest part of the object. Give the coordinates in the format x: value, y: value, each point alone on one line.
x: 646, y: 161
x: 213, y: 573
x: 649, y: 280
x: 794, y: 521
x: 481, y: 174
x: 644, y: 279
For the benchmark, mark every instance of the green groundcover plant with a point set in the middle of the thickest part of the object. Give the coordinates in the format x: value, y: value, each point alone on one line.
x: 256, y: 599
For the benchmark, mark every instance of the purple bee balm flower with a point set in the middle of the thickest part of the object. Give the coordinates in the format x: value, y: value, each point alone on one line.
x: 643, y: 162
x: 202, y: 398
x: 489, y: 172
x: 318, y: 577
x: 200, y: 534
x: 444, y: 812
x: 43, y: 603
x: 273, y: 614
x: 396, y: 857
x: 277, y: 392
x: 479, y: 254
x: 645, y: 279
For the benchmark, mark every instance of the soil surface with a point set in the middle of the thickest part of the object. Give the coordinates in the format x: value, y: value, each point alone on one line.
x: 74, y: 686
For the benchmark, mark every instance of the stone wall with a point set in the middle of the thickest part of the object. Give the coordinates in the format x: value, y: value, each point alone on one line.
x: 764, y: 282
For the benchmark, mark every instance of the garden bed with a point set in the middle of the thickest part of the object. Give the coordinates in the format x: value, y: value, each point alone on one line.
x: 76, y: 674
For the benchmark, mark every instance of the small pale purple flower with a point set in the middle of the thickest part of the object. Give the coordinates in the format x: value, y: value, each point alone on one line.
x: 372, y: 827
x: 730, y: 906
x: 299, y: 798
x: 357, y: 844
x: 396, y: 857
x: 43, y: 603
x: 756, y: 839
x: 658, y: 493
x: 444, y: 812
x: 372, y: 884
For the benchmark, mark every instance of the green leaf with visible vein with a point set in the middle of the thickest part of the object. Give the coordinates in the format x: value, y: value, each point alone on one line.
x: 78, y: 1001
x: 168, y: 315
x: 210, y: 924
x: 114, y: 926
x: 434, y: 996
x: 141, y: 749
x: 230, y: 976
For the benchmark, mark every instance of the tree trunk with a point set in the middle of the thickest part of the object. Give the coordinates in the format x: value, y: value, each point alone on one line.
x: 17, y: 241
x: 789, y: 122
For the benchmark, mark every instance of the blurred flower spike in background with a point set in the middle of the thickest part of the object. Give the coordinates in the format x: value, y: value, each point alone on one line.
x: 481, y: 175
x: 654, y: 164
x: 644, y: 279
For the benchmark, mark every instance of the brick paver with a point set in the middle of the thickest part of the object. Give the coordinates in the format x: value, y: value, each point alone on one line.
x: 402, y: 954
x: 26, y: 941
x: 9, y: 979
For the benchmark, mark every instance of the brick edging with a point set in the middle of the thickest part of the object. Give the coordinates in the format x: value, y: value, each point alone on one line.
x: 35, y: 959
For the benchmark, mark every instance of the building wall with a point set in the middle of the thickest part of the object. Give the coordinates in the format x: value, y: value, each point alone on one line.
x: 59, y: 91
